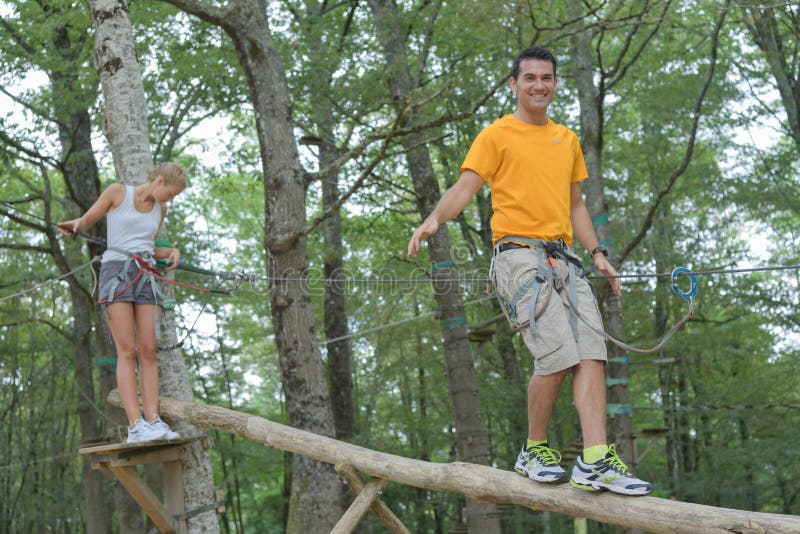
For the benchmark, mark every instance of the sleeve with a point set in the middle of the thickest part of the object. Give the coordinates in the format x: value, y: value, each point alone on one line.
x: 579, y: 171
x: 483, y: 157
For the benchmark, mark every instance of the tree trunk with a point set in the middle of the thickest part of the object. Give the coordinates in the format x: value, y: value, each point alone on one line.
x: 763, y: 26
x: 126, y: 129
x: 471, y: 437
x: 340, y: 357
x: 315, y: 502
x: 591, y: 106
x: 339, y: 351
x: 81, y: 177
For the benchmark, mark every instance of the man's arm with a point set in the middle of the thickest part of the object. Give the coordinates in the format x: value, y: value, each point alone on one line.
x: 584, y: 232
x: 451, y: 204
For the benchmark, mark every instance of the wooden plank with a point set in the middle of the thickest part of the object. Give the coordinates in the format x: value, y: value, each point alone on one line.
x: 379, y: 508
x: 173, y: 493
x: 361, y: 504
x: 153, y: 457
x: 143, y: 495
x: 121, y: 448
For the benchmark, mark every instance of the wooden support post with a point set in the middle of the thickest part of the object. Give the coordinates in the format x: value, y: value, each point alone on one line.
x: 173, y: 494
x: 379, y: 508
x: 361, y: 504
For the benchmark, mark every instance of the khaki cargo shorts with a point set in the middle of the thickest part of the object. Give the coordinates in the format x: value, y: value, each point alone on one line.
x: 554, y: 346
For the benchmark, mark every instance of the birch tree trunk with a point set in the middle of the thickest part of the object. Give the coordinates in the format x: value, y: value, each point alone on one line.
x: 315, y: 504
x: 472, y: 440
x: 126, y: 128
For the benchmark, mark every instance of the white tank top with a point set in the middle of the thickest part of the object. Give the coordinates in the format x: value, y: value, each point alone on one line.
x: 130, y: 229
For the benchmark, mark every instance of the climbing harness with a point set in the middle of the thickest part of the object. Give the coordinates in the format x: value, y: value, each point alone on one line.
x: 548, y: 277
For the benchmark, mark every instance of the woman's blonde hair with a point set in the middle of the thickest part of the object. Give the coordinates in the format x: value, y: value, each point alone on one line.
x: 172, y: 172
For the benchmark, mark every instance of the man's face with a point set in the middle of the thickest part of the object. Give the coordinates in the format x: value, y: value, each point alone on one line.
x: 535, y: 86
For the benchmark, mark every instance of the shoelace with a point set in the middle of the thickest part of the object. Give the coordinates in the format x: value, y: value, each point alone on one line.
x: 544, y: 454
x: 614, y: 461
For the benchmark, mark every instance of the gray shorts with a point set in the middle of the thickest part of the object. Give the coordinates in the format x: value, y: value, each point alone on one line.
x: 109, y: 270
x: 554, y: 346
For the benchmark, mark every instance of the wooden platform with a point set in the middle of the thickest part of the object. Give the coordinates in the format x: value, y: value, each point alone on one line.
x: 119, y: 460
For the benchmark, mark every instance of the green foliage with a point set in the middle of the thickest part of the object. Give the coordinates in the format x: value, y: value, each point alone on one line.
x: 725, y: 388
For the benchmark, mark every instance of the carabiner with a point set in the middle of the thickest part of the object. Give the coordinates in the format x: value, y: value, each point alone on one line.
x: 679, y: 271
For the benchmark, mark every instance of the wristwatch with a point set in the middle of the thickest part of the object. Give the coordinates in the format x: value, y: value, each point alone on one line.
x: 598, y: 249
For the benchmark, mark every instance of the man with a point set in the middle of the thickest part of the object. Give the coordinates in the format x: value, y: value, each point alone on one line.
x: 533, y: 167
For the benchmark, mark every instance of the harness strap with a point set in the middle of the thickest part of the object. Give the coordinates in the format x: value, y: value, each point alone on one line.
x: 110, y: 288
x: 547, y: 273
x: 534, y: 285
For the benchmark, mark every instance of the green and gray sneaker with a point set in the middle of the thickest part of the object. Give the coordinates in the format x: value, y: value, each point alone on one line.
x: 610, y: 474
x: 540, y: 463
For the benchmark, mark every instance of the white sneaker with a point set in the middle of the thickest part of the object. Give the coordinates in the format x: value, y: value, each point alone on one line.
x: 158, y: 424
x: 143, y: 431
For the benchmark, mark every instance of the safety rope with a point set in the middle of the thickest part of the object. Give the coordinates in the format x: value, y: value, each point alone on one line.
x: 56, y: 279
x: 253, y: 277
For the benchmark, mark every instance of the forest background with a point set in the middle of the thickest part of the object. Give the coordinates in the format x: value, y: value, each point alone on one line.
x: 689, y: 116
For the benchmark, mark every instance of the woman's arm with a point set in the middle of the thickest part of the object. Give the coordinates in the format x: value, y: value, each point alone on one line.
x: 108, y: 200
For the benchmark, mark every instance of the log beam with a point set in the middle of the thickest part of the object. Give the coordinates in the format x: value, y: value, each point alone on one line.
x: 483, y: 483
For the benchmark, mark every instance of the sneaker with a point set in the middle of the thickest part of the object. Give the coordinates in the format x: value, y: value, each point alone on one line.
x: 158, y: 424
x: 540, y: 463
x: 143, y: 431
x: 610, y: 473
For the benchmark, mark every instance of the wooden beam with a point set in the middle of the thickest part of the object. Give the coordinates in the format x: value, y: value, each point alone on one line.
x: 379, y: 508
x: 153, y: 457
x: 143, y: 495
x: 480, y: 482
x: 365, y: 498
x: 173, y: 493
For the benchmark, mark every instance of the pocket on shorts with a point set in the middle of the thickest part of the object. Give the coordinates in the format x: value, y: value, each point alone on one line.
x: 553, y: 329
x: 512, y: 269
x: 587, y: 305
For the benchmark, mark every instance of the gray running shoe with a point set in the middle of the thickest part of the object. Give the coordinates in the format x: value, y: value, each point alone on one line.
x: 610, y: 474
x: 540, y: 463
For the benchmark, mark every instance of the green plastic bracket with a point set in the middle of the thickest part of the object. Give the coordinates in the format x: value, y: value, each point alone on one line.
x: 442, y: 264
x: 616, y: 381
x: 452, y: 323
x: 618, y: 409
x: 600, y: 218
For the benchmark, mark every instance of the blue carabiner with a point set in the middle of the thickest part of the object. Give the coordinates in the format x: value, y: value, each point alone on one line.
x: 678, y: 271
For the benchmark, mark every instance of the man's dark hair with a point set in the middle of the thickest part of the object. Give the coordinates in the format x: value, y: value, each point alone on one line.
x: 534, y: 52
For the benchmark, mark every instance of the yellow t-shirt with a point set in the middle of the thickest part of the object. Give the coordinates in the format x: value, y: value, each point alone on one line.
x: 530, y: 170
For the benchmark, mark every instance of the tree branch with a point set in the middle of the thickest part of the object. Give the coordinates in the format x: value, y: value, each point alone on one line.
x: 678, y: 172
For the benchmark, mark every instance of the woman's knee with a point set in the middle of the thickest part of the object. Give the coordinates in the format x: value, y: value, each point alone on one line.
x: 147, y: 351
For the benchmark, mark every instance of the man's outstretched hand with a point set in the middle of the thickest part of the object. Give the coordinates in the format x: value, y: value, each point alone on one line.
x: 423, y: 232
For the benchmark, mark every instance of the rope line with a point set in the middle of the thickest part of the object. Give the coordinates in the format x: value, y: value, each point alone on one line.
x: 56, y: 279
x: 396, y: 323
x: 250, y: 277
x: 721, y: 407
